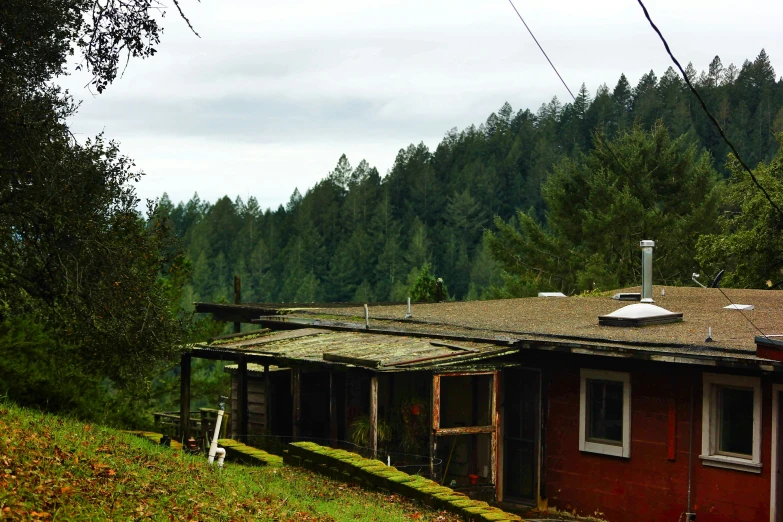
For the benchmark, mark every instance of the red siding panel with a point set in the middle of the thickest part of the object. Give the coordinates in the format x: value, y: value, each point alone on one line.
x: 652, y: 485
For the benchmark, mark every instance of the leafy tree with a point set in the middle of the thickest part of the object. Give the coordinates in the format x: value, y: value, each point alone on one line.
x: 749, y: 244
x: 600, y: 208
x: 84, y: 275
x: 425, y: 288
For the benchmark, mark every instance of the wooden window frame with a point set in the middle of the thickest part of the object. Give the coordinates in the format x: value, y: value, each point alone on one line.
x: 622, y: 449
x: 710, y: 423
x: 494, y: 415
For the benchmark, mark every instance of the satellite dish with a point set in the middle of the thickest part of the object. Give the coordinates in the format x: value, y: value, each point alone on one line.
x: 716, y: 281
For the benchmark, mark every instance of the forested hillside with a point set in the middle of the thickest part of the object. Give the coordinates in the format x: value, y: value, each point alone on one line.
x: 360, y: 236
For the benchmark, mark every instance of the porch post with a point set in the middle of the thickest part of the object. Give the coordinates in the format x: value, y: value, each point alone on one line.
x: 296, y: 375
x: 267, y: 401
x: 237, y: 300
x: 184, y: 397
x: 435, y: 421
x: 374, y: 415
x: 495, y: 419
x: 332, y: 410
x: 242, y: 423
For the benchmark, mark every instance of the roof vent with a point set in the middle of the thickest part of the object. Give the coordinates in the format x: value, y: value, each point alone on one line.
x: 647, y: 255
x: 627, y: 296
x: 551, y: 294
x: 640, y: 314
x: 739, y: 307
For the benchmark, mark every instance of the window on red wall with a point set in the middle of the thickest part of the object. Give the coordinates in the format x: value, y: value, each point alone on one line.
x: 605, y: 413
x: 731, y: 422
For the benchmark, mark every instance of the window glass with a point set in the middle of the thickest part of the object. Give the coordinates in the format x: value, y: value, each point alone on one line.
x: 605, y: 411
x: 736, y: 420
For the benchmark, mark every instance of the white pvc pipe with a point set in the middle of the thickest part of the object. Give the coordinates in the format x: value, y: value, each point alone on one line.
x: 221, y: 455
x: 213, y: 449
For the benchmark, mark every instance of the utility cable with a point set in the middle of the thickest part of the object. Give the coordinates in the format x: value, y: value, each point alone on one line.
x: 722, y: 134
x: 703, y: 106
x: 542, y: 50
x: 707, y: 112
x: 743, y: 313
x: 598, y: 135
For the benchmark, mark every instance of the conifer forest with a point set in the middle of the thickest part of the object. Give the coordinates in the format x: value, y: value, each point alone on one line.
x: 552, y: 199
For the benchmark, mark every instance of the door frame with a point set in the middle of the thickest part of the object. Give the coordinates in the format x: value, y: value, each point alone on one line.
x: 537, y: 446
x: 774, y: 508
x: 493, y: 429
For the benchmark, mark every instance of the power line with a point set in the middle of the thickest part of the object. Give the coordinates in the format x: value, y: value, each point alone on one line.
x: 609, y: 149
x: 542, y: 50
x: 598, y: 135
x: 743, y: 313
x: 722, y: 134
x: 709, y: 114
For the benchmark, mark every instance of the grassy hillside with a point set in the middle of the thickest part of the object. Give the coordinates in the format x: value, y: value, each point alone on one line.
x: 59, y: 469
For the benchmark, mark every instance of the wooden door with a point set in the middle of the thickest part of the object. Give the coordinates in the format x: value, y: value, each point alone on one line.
x: 521, y: 435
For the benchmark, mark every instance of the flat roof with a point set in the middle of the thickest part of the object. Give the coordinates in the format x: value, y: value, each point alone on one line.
x: 576, y: 317
x: 336, y: 334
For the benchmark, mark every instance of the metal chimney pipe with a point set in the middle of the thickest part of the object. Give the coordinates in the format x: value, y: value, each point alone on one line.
x: 647, y: 258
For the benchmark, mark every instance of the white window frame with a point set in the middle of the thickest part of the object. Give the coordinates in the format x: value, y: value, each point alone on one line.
x: 621, y: 450
x: 709, y: 422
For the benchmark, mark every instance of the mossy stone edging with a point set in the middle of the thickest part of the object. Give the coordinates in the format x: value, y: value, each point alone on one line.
x: 154, y: 437
x: 235, y: 451
x: 346, y: 466
x: 239, y: 452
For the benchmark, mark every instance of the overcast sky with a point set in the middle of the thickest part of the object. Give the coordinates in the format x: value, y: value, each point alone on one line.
x: 273, y: 93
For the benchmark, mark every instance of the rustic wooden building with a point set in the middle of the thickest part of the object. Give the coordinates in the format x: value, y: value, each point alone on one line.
x: 547, y: 405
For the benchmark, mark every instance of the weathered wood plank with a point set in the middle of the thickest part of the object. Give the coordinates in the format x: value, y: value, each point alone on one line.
x: 242, y: 399
x: 464, y: 430
x: 357, y: 361
x: 184, y: 397
x: 454, y: 346
x: 495, y: 419
x: 267, y: 403
x: 374, y: 415
x: 237, y: 300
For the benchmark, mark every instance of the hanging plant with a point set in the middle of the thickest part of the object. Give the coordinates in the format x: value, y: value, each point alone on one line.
x: 413, y: 423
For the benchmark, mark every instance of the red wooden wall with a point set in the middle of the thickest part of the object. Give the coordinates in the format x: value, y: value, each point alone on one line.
x: 648, y: 486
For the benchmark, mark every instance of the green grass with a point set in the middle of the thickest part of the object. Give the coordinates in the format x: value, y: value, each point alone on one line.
x: 58, y: 469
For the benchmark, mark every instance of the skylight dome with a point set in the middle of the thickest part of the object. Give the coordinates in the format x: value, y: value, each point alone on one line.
x: 640, y: 314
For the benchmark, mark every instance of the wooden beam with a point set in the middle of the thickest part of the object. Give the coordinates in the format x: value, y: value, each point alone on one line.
x: 357, y: 361
x: 237, y: 300
x: 267, y: 400
x: 230, y: 336
x: 374, y: 415
x: 184, y: 398
x: 434, y: 421
x: 454, y: 346
x: 464, y: 430
x: 333, y: 428
x: 495, y: 419
x: 296, y: 384
x: 242, y: 412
